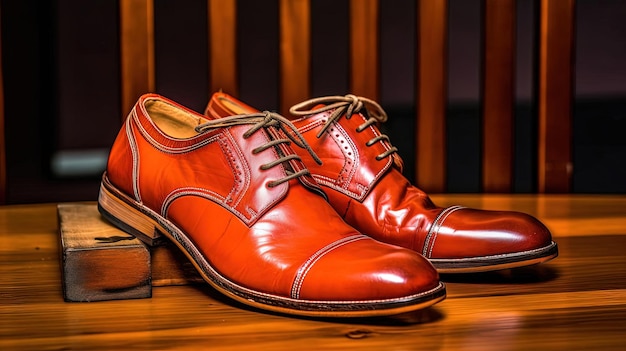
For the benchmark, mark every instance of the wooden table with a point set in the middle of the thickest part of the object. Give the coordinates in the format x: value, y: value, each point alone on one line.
x: 575, y: 302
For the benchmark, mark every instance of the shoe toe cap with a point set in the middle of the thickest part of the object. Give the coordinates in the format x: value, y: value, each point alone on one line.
x: 472, y: 233
x: 368, y: 270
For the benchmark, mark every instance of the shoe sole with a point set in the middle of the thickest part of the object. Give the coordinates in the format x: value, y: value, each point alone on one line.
x: 150, y: 227
x: 496, y: 262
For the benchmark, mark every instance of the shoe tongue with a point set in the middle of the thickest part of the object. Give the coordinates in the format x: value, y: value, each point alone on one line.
x: 224, y: 105
x: 315, y: 108
x: 398, y: 162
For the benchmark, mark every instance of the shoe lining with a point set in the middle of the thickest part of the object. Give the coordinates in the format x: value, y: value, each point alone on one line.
x: 234, y: 107
x: 173, y: 121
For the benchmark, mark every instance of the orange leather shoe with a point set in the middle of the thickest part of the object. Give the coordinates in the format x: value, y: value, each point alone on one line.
x: 236, y: 199
x: 361, y: 174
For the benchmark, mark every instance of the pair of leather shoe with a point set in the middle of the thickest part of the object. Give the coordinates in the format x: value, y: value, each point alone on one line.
x: 308, y: 217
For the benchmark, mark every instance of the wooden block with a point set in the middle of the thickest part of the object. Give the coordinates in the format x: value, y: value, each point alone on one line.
x: 101, y: 262
x: 171, y: 267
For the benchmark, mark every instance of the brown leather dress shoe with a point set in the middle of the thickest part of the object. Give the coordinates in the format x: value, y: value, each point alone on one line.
x: 361, y: 174
x: 236, y: 199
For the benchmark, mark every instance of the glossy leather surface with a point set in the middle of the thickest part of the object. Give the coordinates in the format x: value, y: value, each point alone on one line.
x: 279, y: 243
x: 372, y: 195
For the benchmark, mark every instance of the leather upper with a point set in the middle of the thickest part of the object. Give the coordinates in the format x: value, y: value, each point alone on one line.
x: 372, y: 195
x: 219, y: 186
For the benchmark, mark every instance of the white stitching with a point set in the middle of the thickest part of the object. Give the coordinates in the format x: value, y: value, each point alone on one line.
x: 434, y: 229
x: 179, y: 192
x: 135, y: 154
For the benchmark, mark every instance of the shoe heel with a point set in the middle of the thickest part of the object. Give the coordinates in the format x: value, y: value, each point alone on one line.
x: 129, y: 219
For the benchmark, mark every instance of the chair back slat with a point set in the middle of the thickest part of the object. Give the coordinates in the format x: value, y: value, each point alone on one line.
x: 222, y: 18
x: 498, y: 69
x: 136, y: 51
x: 430, y: 155
x: 364, y: 48
x: 3, y: 163
x: 295, y: 52
x: 555, y: 95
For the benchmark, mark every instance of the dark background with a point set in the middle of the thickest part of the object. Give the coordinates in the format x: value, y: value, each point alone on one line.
x: 61, y: 80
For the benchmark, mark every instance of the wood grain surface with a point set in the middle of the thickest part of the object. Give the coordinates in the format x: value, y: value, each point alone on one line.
x: 575, y: 302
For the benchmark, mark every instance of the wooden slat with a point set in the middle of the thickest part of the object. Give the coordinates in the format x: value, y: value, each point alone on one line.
x: 498, y: 95
x: 222, y: 46
x: 3, y: 161
x: 364, y: 48
x: 431, y: 95
x: 136, y: 50
x: 295, y: 57
x: 556, y: 54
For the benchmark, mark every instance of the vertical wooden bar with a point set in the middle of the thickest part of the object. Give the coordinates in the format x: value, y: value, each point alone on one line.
x: 222, y: 46
x: 556, y: 53
x: 364, y: 55
x: 295, y: 52
x: 3, y: 160
x: 498, y: 95
x: 431, y: 95
x: 136, y: 50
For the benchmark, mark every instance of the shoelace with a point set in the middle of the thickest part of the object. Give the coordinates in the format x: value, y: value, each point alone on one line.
x: 267, y: 119
x: 348, y: 105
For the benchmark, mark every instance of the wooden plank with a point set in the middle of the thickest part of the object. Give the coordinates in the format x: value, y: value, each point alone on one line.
x: 556, y: 57
x: 295, y: 53
x: 223, y: 46
x: 99, y: 262
x: 498, y: 95
x: 430, y: 160
x: 364, y: 49
x: 136, y: 51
